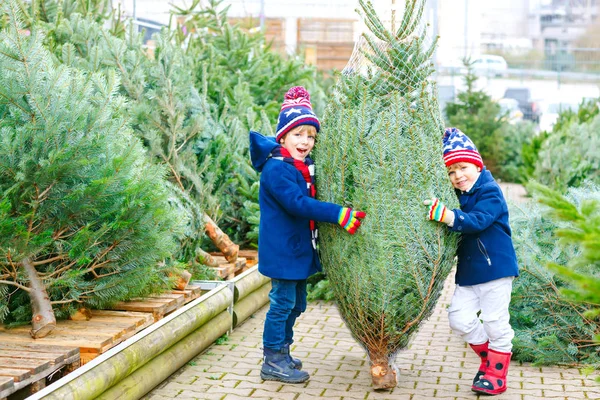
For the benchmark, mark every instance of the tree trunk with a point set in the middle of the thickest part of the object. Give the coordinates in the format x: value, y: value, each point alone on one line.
x: 205, y: 258
x: 221, y: 240
x: 182, y: 279
x: 43, y: 321
x: 383, y: 375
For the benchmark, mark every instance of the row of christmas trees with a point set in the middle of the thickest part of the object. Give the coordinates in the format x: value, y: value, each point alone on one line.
x: 116, y: 162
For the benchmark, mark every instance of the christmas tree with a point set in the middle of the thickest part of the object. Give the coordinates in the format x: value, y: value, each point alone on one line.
x: 380, y: 151
x: 84, y: 217
x: 166, y: 111
x: 551, y: 328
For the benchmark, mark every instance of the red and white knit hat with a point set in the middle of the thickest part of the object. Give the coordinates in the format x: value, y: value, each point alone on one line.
x: 459, y: 148
x: 296, y: 110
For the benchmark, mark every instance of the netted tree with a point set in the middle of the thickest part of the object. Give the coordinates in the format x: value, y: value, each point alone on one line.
x: 84, y: 217
x: 380, y: 150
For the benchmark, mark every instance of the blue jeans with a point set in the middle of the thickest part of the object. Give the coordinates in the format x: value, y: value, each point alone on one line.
x: 288, y: 301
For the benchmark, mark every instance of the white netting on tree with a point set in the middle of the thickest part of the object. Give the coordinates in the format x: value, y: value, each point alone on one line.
x: 380, y: 151
x: 394, y: 46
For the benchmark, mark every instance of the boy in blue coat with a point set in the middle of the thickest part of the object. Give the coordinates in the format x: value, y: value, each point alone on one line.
x: 487, y: 263
x: 287, y: 241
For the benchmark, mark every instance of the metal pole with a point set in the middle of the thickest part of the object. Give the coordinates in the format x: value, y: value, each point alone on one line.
x: 262, y: 15
x: 435, y: 29
x: 134, y: 10
x: 393, y: 25
x: 466, y: 27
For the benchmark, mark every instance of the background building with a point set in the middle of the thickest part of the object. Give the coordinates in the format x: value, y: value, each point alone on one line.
x: 554, y: 35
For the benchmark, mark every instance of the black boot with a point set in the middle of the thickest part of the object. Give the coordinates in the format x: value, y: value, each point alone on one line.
x: 276, y: 367
x: 296, y: 363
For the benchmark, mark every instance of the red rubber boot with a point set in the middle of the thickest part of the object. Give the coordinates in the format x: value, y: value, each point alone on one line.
x: 482, y: 351
x: 494, y: 380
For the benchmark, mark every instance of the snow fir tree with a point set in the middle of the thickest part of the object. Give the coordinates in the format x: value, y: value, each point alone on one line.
x: 380, y: 150
x: 84, y: 218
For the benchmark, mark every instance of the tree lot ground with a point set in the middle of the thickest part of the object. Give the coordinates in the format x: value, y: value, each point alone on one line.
x: 437, y: 365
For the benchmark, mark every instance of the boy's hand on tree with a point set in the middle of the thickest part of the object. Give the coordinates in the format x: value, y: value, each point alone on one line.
x: 350, y: 220
x: 439, y: 212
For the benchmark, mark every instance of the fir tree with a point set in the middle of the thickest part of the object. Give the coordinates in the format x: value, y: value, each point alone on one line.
x: 380, y: 151
x: 577, y: 219
x: 570, y: 154
x: 476, y: 114
x: 550, y: 328
x: 84, y: 218
x: 167, y: 113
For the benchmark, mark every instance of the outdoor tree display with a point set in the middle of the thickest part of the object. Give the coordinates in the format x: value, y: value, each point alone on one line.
x: 380, y: 150
x: 84, y: 217
x: 166, y: 111
x: 570, y: 154
x: 551, y: 328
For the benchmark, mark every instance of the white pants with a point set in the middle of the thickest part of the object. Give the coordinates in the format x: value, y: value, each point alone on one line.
x: 492, y: 299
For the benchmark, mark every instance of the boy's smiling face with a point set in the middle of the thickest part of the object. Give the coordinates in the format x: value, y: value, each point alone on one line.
x: 463, y: 175
x: 300, y: 141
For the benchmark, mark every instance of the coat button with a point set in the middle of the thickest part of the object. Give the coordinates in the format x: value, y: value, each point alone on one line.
x: 460, y: 228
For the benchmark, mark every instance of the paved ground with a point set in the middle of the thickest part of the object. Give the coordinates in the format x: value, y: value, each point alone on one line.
x: 437, y: 365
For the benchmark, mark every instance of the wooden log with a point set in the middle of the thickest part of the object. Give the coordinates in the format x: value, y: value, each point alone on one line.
x: 182, y: 278
x: 91, y: 383
x: 161, y: 367
x: 221, y: 240
x: 246, y: 284
x: 247, y: 306
x: 43, y: 321
x: 205, y: 258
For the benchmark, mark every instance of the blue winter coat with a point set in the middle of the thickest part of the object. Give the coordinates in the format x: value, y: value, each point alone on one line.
x: 285, y: 249
x: 485, y: 250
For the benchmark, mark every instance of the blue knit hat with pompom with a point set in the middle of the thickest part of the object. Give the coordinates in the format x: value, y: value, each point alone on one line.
x: 296, y: 110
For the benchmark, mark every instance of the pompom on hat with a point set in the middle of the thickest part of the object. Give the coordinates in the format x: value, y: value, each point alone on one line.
x: 296, y: 110
x: 459, y: 148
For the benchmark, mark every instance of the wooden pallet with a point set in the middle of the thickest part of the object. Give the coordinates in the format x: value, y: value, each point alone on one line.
x: 227, y: 270
x: 246, y: 259
x: 24, y: 367
x: 163, y: 304
x: 103, y: 331
x: 191, y: 292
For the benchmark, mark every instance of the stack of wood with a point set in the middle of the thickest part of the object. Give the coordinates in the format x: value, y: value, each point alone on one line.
x: 228, y: 270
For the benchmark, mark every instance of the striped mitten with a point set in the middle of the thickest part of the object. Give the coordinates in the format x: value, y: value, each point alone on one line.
x: 350, y: 220
x: 438, y: 211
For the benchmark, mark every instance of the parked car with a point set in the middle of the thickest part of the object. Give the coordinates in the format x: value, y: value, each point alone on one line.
x: 551, y: 111
x: 509, y: 108
x: 528, y: 106
x: 490, y: 65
